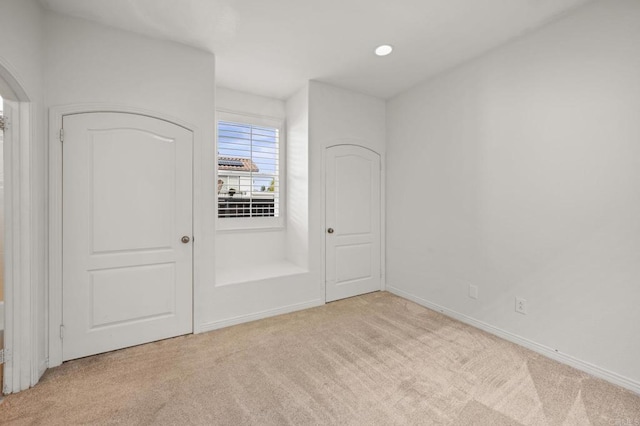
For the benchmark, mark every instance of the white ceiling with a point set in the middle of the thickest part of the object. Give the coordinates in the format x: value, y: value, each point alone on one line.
x: 272, y: 47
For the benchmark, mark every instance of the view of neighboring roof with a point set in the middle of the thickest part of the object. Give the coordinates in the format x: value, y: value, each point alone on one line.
x: 237, y: 164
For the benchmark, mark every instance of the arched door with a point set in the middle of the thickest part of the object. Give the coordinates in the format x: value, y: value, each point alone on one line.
x: 127, y: 231
x: 353, y: 211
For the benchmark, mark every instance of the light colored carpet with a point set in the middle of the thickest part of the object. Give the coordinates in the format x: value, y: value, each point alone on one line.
x: 376, y: 359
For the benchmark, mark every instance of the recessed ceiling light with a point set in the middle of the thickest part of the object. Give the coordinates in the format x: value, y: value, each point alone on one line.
x: 383, y: 50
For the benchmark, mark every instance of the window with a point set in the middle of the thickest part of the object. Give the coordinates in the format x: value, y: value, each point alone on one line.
x: 249, y: 164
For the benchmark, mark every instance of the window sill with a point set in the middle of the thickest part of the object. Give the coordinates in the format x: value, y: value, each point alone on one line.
x: 249, y: 224
x: 250, y: 273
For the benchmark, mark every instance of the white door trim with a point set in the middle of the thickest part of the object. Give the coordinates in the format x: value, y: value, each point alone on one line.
x: 56, y: 114
x: 21, y: 369
x: 383, y: 222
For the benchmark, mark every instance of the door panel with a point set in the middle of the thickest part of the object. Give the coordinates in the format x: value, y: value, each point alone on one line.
x: 353, y: 214
x: 353, y: 193
x: 353, y: 262
x: 127, y: 201
x: 148, y: 221
x: 150, y: 291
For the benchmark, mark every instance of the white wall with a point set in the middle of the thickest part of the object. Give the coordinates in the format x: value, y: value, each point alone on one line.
x: 339, y: 115
x: 297, y: 246
x: 21, y: 53
x: 87, y: 63
x: 235, y: 101
x: 519, y: 172
x: 21, y: 44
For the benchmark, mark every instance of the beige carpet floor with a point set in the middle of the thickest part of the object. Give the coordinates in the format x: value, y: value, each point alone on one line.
x: 376, y: 359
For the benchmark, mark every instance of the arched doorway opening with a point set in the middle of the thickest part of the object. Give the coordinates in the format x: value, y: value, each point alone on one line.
x: 20, y: 341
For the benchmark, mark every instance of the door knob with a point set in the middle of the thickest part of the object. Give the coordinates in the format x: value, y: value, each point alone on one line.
x: 330, y: 230
x: 185, y: 239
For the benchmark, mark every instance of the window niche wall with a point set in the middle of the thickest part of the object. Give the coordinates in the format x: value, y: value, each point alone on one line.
x: 261, y: 273
x: 246, y: 255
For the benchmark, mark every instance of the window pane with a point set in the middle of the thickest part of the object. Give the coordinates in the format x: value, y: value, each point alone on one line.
x: 248, y: 170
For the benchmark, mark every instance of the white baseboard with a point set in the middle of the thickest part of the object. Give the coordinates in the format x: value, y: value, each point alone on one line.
x: 214, y: 325
x: 579, y: 364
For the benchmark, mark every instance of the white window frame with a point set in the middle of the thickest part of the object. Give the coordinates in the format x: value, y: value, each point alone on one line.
x: 255, y: 223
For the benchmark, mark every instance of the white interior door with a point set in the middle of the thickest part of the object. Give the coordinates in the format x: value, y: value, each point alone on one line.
x: 127, y: 203
x: 352, y: 221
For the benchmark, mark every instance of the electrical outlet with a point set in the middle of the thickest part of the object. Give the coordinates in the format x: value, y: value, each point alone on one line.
x: 473, y: 291
x: 521, y: 306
